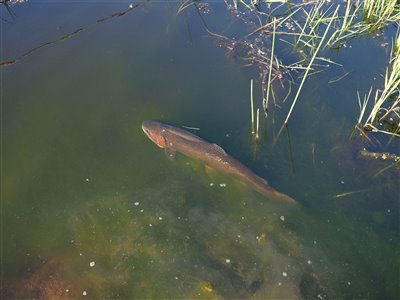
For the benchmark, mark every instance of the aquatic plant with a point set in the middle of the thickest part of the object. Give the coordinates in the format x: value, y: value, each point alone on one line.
x: 252, y: 106
x: 385, y: 114
x: 310, y: 27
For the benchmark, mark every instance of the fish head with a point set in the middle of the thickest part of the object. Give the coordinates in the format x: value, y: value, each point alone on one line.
x: 155, y: 131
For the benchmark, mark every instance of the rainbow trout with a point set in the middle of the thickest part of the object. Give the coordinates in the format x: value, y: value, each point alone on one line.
x: 174, y: 139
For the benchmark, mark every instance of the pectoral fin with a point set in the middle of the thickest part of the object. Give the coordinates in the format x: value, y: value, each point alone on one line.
x: 170, y: 153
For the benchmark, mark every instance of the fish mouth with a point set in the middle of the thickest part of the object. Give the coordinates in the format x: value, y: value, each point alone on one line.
x: 145, y: 128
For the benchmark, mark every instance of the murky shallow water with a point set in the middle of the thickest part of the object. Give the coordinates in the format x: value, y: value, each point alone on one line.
x: 91, y: 208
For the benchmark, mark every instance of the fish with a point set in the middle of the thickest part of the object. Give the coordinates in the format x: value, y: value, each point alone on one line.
x: 173, y: 139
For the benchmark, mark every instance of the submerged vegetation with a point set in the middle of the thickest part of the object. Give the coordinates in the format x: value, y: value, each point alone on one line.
x: 311, y: 28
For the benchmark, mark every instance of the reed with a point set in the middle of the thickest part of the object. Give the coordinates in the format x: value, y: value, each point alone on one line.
x: 258, y: 124
x: 266, y: 100
x: 362, y: 106
x: 252, y: 106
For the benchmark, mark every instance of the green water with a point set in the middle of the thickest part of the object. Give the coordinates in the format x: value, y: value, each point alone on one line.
x: 90, y: 208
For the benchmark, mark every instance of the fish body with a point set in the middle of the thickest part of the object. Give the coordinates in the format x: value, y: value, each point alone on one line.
x: 174, y: 139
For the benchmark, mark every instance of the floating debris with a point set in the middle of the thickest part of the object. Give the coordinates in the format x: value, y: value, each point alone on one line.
x: 227, y: 260
x: 222, y: 184
x: 282, y: 218
x: 92, y: 264
x: 377, y: 155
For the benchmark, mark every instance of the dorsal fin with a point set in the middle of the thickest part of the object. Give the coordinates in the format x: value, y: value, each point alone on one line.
x: 184, y: 134
x: 219, y: 149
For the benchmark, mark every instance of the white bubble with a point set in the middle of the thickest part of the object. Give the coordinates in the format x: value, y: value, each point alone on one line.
x: 92, y: 264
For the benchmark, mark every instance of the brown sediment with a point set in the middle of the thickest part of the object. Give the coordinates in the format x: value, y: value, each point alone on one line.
x: 45, y: 282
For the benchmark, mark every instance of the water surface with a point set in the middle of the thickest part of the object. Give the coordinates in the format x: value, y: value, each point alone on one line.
x: 92, y: 208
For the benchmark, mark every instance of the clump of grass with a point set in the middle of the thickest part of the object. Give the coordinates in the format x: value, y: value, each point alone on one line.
x: 379, y: 13
x: 385, y: 113
x: 365, y: 17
